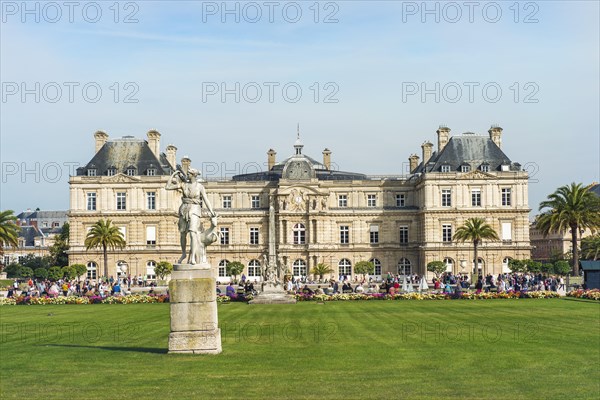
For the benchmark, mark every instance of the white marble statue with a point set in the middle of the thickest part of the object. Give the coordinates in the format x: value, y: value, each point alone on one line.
x: 193, y: 196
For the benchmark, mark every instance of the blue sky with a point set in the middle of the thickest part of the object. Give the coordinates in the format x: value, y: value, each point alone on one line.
x: 169, y: 52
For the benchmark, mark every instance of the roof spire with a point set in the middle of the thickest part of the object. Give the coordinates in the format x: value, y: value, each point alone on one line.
x: 298, y: 145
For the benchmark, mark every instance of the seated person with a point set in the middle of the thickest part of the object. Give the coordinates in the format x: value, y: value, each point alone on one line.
x: 240, y: 289
x: 306, y: 290
x: 346, y: 288
x: 229, y: 291
x: 359, y: 289
x: 319, y: 290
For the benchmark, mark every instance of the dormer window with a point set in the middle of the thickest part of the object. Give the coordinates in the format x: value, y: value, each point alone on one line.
x: 505, y: 167
x: 130, y: 171
x: 465, y: 168
x: 445, y: 168
x: 91, y: 172
x: 485, y: 167
x: 111, y: 171
x: 151, y: 172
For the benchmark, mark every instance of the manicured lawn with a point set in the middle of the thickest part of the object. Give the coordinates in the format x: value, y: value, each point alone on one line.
x: 503, y: 349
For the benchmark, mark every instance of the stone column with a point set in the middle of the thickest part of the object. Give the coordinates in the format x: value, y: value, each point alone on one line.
x: 194, y: 322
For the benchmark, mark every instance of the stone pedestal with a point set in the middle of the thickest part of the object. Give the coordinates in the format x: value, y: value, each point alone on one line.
x: 273, y: 293
x: 194, y: 322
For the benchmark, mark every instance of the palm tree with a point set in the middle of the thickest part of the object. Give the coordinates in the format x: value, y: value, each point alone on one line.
x: 590, y: 247
x: 9, y: 231
x: 321, y: 269
x: 475, y: 230
x: 571, y: 207
x: 106, y: 235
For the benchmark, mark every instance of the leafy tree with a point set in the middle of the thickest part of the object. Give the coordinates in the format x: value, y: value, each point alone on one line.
x: 80, y: 269
x: 364, y: 268
x: 55, y: 273
x: 475, y: 230
x: 321, y: 269
x: 40, y: 273
x: 561, y: 267
x: 547, y: 268
x: 234, y: 268
x: 9, y: 231
x: 517, y: 265
x: 590, y: 247
x: 12, y: 271
x: 105, y: 235
x: 533, y: 266
x: 35, y: 262
x: 68, y: 272
x: 437, y: 267
x: 572, y: 207
x: 59, y: 249
x: 25, y: 272
x: 163, y: 269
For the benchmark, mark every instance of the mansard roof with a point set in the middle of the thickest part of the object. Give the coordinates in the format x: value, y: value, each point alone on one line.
x: 124, y: 153
x: 595, y: 188
x: 468, y: 149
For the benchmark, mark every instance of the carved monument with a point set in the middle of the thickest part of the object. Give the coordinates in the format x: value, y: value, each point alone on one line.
x: 194, y: 321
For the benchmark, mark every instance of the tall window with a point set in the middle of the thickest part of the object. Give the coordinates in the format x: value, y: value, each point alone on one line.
x: 123, y: 231
x: 255, y: 201
x: 224, y: 235
x: 506, y: 231
x: 92, y: 269
x: 506, y: 200
x: 150, y: 273
x: 91, y: 201
x: 299, y: 232
x: 404, y: 234
x: 344, y: 234
x: 400, y: 200
x: 299, y: 268
x: 223, y: 268
x: 151, y: 200
x: 505, y: 262
x: 371, y: 200
x: 446, y: 233
x: 377, y: 265
x: 254, y: 268
x: 446, y: 198
x: 374, y: 234
x: 449, y: 264
x: 345, y: 267
x: 121, y: 201
x: 227, y: 201
x: 151, y: 235
x: 253, y: 235
x: 343, y: 200
x: 404, y: 266
x: 476, y: 197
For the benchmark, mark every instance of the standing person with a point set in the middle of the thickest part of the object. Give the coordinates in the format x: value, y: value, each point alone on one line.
x: 193, y: 196
x: 479, y: 285
x: 561, y: 283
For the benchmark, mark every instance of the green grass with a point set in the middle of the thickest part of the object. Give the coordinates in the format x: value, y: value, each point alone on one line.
x: 504, y: 349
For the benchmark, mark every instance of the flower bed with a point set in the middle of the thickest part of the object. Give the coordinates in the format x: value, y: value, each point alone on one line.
x: 428, y: 296
x: 592, y: 294
x: 129, y: 299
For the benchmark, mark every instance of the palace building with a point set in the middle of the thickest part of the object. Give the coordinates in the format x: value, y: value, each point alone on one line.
x: 301, y: 212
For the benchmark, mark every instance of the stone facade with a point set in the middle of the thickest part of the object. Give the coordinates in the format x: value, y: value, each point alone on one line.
x: 324, y: 216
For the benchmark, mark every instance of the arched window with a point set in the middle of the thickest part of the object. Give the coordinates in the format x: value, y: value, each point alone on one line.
x: 505, y: 262
x: 345, y: 267
x: 92, y: 270
x: 299, y: 232
x: 223, y: 268
x: 299, y: 268
x: 254, y: 268
x: 404, y: 266
x: 121, y: 268
x: 449, y: 264
x: 150, y: 274
x: 377, y: 265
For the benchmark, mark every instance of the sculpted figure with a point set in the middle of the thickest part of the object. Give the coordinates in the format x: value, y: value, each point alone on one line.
x: 190, y: 212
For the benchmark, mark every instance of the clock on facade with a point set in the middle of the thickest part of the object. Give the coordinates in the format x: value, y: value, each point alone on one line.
x: 298, y: 170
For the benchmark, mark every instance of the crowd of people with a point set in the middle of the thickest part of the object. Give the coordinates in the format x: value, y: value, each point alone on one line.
x: 63, y: 287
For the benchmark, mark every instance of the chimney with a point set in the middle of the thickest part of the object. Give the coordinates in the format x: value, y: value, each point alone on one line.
x: 185, y: 164
x: 172, y: 155
x: 154, y: 142
x: 443, y: 136
x: 496, y: 135
x: 271, y: 158
x: 327, y: 158
x: 413, y: 162
x: 427, y: 150
x: 101, y: 138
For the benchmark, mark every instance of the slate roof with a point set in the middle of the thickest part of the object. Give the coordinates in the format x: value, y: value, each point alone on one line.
x: 29, y: 233
x: 126, y: 152
x: 468, y: 149
x: 595, y: 189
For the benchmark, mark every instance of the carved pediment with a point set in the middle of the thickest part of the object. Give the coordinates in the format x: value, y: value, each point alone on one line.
x: 477, y: 174
x: 121, y: 178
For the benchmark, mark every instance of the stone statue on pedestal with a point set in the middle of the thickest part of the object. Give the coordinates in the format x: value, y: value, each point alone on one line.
x: 193, y: 196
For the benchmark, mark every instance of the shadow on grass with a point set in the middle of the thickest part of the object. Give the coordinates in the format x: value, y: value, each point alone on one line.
x: 113, y: 348
x: 580, y: 300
